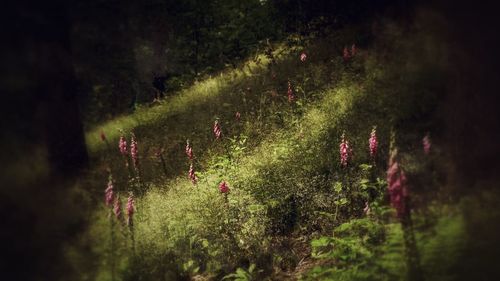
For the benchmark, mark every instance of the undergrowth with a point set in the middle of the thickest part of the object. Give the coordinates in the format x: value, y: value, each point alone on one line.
x: 281, y: 162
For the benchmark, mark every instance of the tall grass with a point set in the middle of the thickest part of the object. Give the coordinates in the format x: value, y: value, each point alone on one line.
x: 281, y: 161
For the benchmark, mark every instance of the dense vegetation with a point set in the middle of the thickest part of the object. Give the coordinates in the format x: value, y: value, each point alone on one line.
x: 252, y: 140
x: 288, y: 188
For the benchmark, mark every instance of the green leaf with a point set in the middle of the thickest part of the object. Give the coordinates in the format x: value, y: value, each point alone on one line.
x: 365, y: 183
x: 343, y: 201
x: 204, y: 243
x: 365, y: 167
x: 337, y: 186
x: 321, y: 242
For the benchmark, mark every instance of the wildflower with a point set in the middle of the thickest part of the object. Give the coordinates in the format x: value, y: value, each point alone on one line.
x: 223, y: 187
x: 303, y: 57
x: 103, y: 136
x: 373, y: 143
x: 130, y: 208
x: 192, y: 175
x: 345, y: 151
x: 122, y: 144
x: 217, y: 130
x: 189, y: 150
x: 158, y: 153
x: 426, y: 141
x: 291, y: 97
x: 367, y: 210
x: 109, y: 193
x: 353, y: 50
x: 117, y: 208
x: 134, y: 151
x: 397, y: 186
x: 238, y: 116
x: 346, y: 54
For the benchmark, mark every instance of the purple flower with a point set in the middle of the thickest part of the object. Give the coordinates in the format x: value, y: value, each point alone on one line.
x: 397, y: 186
x: 373, y: 143
x: 130, y: 208
x: 217, y: 130
x: 426, y: 141
x: 109, y: 194
x: 134, y: 151
x: 345, y: 151
x: 303, y: 57
x: 192, y: 175
x: 122, y: 144
x: 291, y: 97
x: 346, y: 54
x: 189, y: 150
x: 117, y: 208
x: 223, y: 187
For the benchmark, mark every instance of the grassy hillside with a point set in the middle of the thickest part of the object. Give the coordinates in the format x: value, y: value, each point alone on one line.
x: 288, y: 189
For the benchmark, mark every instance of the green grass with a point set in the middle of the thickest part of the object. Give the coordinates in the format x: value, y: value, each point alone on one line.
x: 200, y: 93
x: 282, y: 165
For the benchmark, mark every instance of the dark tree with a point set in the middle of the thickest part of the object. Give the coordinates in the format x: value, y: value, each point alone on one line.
x: 41, y: 113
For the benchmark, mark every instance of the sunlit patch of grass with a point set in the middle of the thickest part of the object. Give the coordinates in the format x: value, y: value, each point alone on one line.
x: 281, y: 177
x: 190, y: 115
x: 200, y: 93
x: 178, y: 215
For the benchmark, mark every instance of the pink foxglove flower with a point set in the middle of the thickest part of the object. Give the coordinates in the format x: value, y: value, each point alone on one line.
x: 303, y: 57
x: 238, y: 116
x: 397, y: 186
x: 291, y: 97
x: 109, y: 194
x: 192, y: 175
x: 346, y: 54
x: 223, y: 187
x: 353, y: 50
x: 426, y: 141
x: 373, y: 143
x: 134, y: 151
x: 122, y: 145
x: 217, y: 130
x: 345, y: 151
x: 130, y: 208
x: 117, y: 208
x: 367, y: 210
x: 189, y: 150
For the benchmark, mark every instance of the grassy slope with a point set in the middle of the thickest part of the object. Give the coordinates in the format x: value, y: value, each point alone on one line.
x: 190, y: 115
x: 281, y: 177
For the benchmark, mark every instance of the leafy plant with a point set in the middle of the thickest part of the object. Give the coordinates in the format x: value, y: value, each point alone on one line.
x: 244, y: 275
